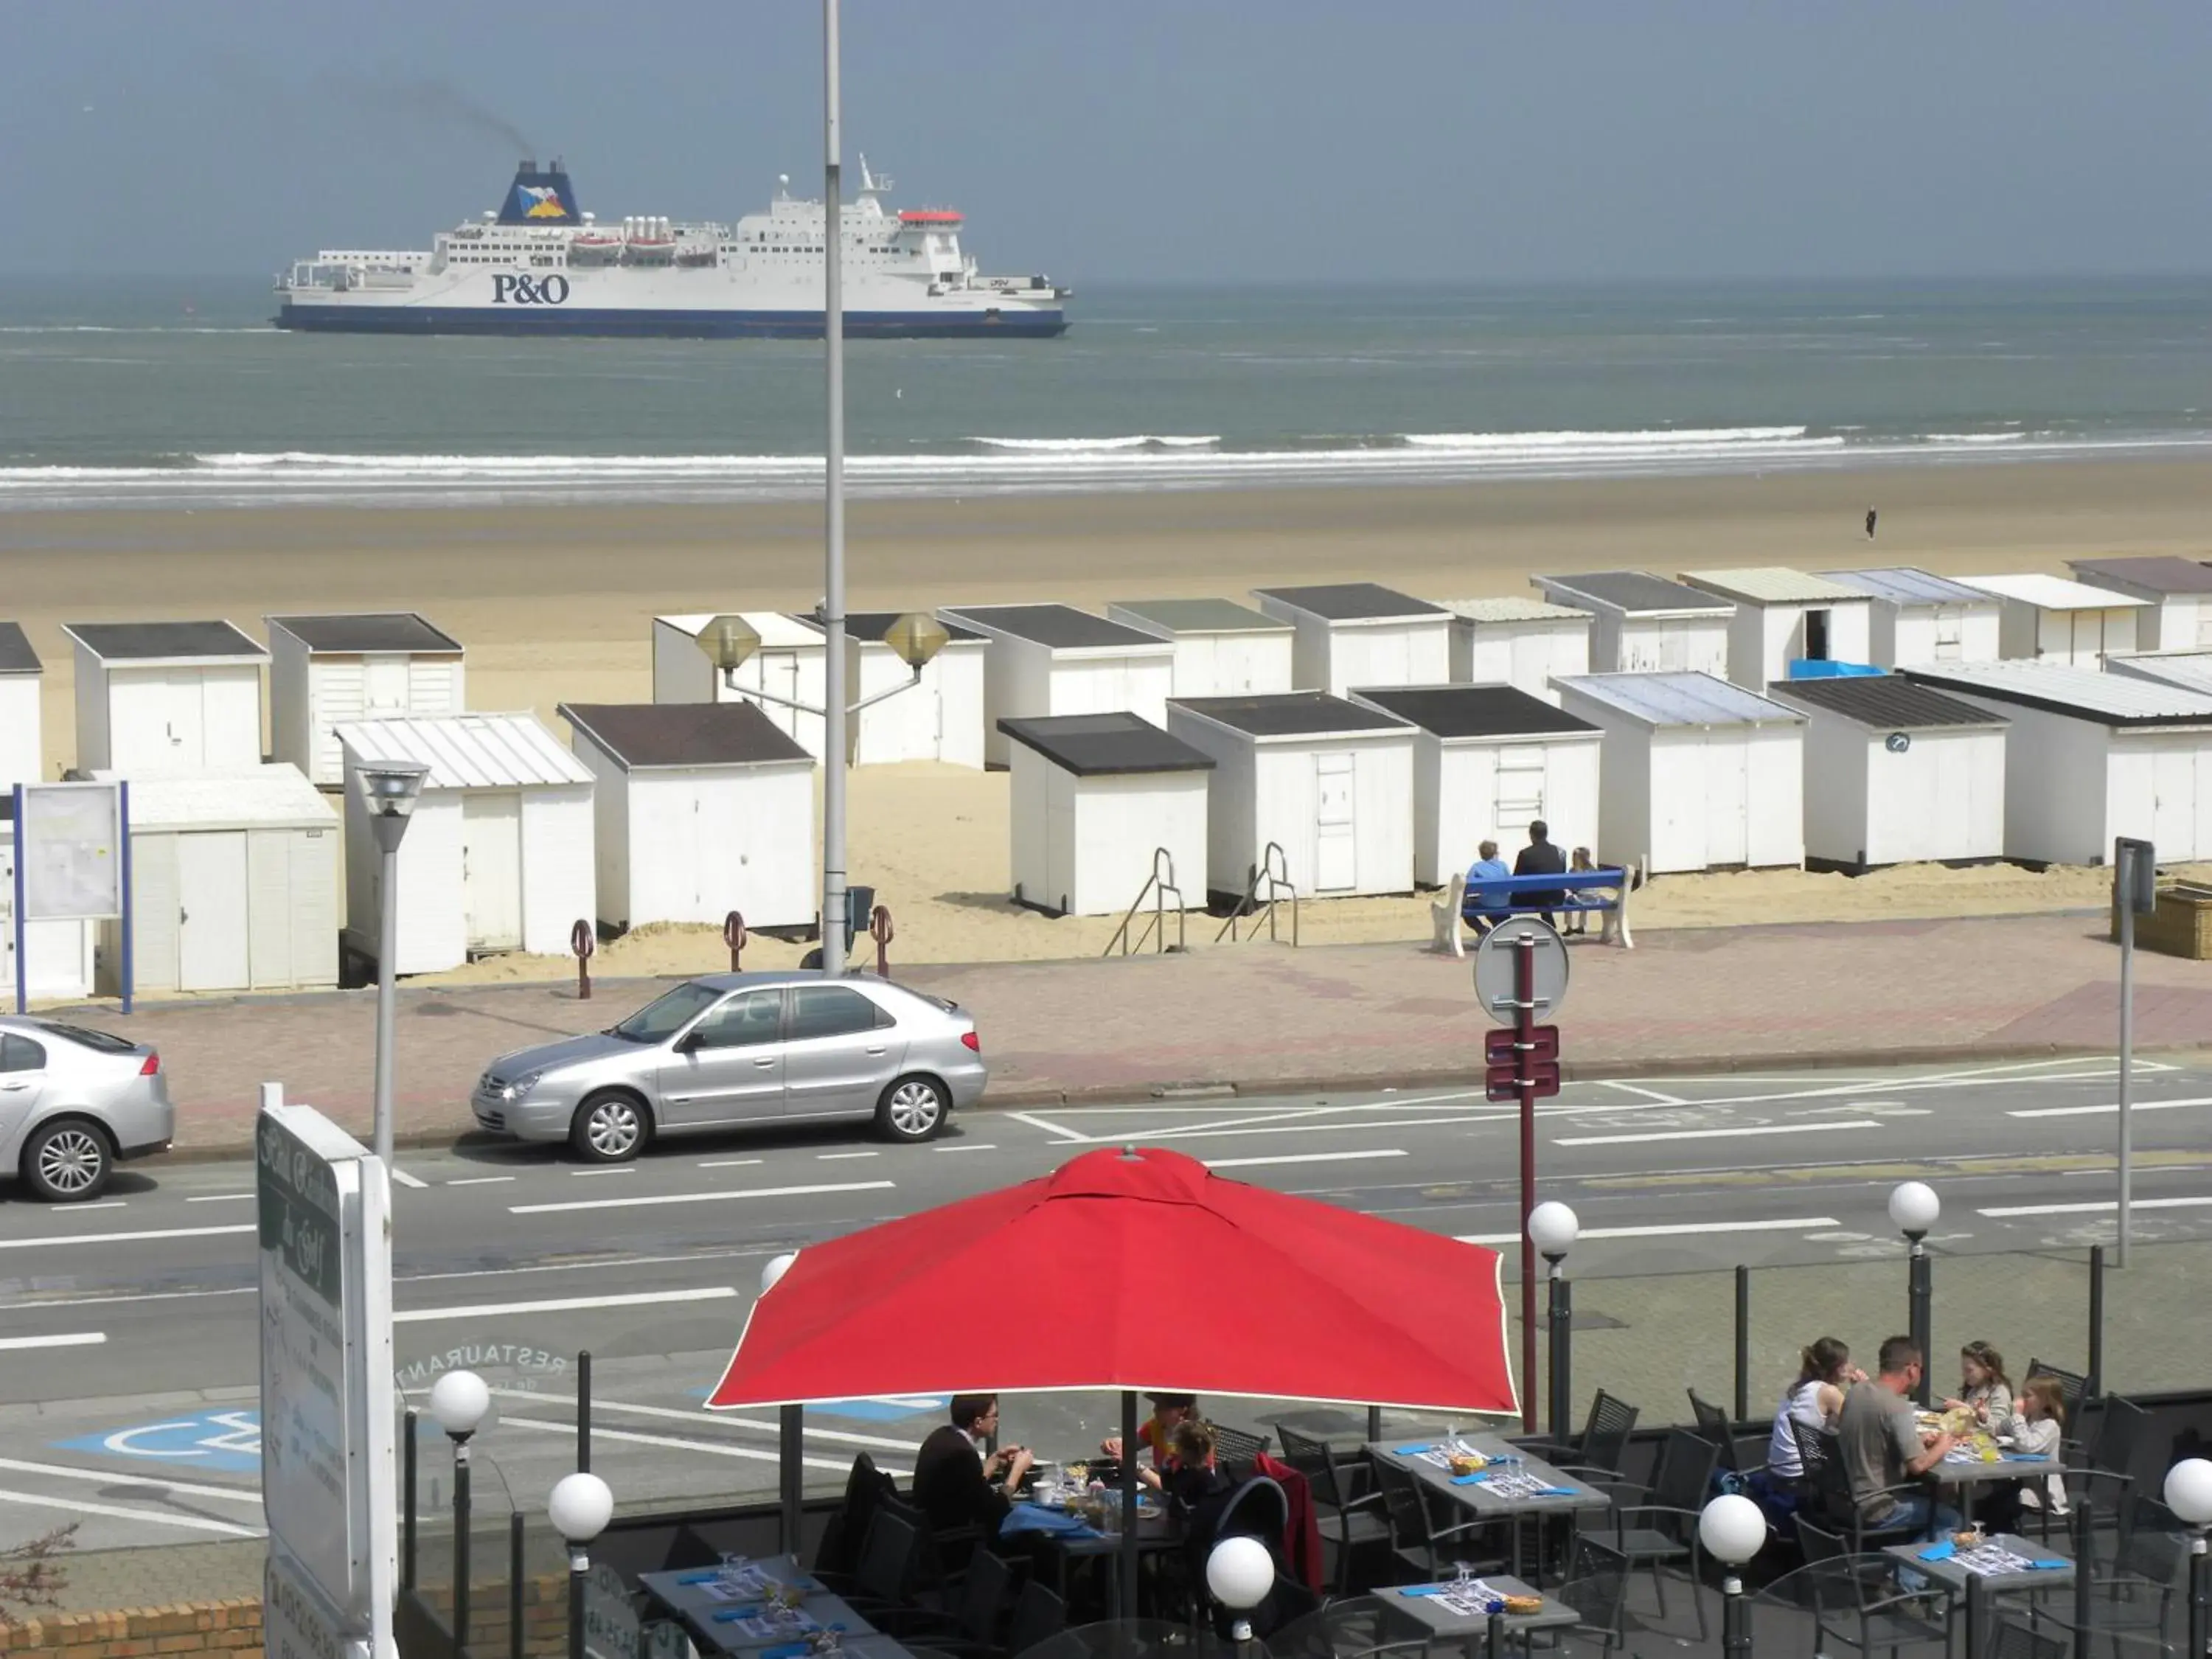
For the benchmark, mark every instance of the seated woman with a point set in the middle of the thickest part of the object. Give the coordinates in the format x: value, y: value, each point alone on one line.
x: 1169, y: 1411
x: 1824, y: 1370
x: 1984, y: 1388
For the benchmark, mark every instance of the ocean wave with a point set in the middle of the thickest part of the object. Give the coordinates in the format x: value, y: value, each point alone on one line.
x: 1660, y: 437
x: 1099, y: 445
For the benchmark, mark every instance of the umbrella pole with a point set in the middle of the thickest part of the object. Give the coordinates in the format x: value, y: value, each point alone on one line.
x: 791, y: 1472
x: 1128, y: 1573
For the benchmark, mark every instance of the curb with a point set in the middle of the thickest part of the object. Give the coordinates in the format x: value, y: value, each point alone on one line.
x: 1020, y: 1098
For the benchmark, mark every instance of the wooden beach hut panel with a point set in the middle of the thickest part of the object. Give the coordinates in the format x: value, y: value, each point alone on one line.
x: 1222, y: 649
x: 938, y: 718
x: 327, y: 670
x: 789, y: 665
x: 2178, y: 591
x: 167, y: 697
x: 1350, y: 634
x: 1096, y: 800
x: 1917, y: 617
x: 1785, y: 616
x: 1045, y: 660
x: 2044, y: 618
x: 23, y: 749
x: 1518, y: 641
x: 1641, y: 624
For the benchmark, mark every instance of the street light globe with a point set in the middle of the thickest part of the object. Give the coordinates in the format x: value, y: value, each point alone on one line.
x: 580, y: 1508
x: 1732, y: 1529
x: 389, y: 788
x: 916, y: 637
x: 777, y: 1266
x: 728, y: 640
x: 1552, y: 1227
x: 458, y: 1402
x: 1914, y: 1207
x: 2189, y: 1492
x: 1240, y: 1572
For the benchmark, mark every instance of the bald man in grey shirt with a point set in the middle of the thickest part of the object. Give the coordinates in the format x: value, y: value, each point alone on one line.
x: 1879, y: 1439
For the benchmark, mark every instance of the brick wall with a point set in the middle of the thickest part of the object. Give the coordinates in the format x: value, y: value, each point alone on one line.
x: 229, y: 1629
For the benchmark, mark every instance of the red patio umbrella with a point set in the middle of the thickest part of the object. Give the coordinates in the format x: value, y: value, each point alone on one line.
x: 1130, y: 1269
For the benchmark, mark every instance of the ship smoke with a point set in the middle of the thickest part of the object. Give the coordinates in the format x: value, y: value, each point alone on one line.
x: 432, y: 101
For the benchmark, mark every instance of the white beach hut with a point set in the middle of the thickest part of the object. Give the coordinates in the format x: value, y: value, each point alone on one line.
x: 2090, y: 756
x: 21, y: 748
x: 698, y: 810
x: 1896, y: 773
x: 2179, y: 592
x: 1097, y: 799
x: 1361, y: 634
x: 499, y: 855
x: 2049, y: 619
x: 788, y: 664
x: 325, y: 670
x: 233, y: 885
x: 1055, y: 659
x: 1488, y: 761
x: 61, y: 953
x: 1699, y: 774
x: 1785, y: 616
x: 1222, y: 649
x: 939, y: 717
x: 168, y: 697
x: 1917, y: 617
x: 1329, y: 782
x: 1519, y: 641
x: 1643, y: 625
x: 2189, y: 671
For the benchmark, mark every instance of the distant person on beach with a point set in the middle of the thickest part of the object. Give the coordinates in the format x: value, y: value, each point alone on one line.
x: 1540, y: 858
x: 1871, y: 516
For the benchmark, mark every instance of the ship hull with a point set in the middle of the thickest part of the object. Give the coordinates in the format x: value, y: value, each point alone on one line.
x: 610, y: 322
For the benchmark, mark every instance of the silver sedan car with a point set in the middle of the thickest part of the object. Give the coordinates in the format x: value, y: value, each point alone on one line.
x: 734, y: 1050
x: 74, y: 1101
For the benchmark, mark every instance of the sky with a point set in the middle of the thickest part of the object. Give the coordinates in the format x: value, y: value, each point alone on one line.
x: 1155, y: 140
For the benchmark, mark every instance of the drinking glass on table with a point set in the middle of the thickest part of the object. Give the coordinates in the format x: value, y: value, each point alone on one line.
x: 732, y: 1572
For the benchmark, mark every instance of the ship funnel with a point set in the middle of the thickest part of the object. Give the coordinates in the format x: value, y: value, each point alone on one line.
x: 540, y: 196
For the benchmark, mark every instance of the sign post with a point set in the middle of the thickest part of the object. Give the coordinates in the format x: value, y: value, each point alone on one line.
x: 2135, y: 892
x: 1520, y: 977
x: 327, y: 1482
x: 72, y: 864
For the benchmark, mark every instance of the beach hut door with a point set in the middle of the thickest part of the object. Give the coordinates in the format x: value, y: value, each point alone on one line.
x: 1950, y: 635
x: 1336, y: 863
x: 213, y: 905
x: 2174, y: 766
x: 382, y: 687
x: 1520, y: 786
x: 491, y: 869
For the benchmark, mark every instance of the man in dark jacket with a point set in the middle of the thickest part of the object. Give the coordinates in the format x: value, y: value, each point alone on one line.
x: 1540, y: 858
x: 955, y: 1484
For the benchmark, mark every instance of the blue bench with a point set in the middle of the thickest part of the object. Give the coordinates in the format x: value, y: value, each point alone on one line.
x: 1604, y: 892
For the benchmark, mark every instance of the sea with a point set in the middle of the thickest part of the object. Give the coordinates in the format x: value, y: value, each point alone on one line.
x: 178, y: 392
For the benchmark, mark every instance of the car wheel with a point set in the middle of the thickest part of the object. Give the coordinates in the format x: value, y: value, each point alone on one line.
x: 609, y: 1128
x: 67, y: 1161
x: 912, y: 1108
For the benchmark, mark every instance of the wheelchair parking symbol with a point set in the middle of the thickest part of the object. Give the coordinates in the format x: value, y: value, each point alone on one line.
x: 230, y: 1441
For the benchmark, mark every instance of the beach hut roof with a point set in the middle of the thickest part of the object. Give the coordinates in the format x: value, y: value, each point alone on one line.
x: 1105, y: 745
x: 639, y: 735
x: 869, y: 627
x: 1905, y: 584
x: 368, y: 631
x: 258, y: 797
x: 1291, y: 715
x: 777, y: 631
x: 1058, y: 627
x: 1638, y: 592
x: 1353, y: 602
x: 1475, y: 711
x: 1513, y: 608
x: 2051, y: 592
x: 1888, y: 702
x: 1679, y: 699
x: 1772, y: 584
x: 151, y: 644
x: 16, y: 656
x: 2118, y: 700
x: 469, y: 751
x: 2192, y: 670
x: 2161, y: 573
x: 1202, y: 617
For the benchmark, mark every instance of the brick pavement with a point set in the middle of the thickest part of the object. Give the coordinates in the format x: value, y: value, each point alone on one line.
x: 1262, y: 1017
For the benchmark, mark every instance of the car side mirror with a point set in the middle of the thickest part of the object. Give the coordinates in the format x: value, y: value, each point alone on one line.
x: 690, y: 1042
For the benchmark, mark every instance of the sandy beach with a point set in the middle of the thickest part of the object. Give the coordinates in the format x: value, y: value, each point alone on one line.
x: 554, y: 605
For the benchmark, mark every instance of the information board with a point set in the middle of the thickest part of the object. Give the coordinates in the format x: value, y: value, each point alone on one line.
x: 68, y: 840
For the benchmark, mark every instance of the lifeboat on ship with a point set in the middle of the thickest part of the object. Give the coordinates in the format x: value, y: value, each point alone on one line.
x: 594, y: 247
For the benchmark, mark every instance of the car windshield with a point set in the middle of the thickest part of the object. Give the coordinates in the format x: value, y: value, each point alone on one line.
x: 664, y: 1016
x: 106, y: 1041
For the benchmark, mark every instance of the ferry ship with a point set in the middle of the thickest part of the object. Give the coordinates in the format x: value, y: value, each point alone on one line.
x: 538, y: 266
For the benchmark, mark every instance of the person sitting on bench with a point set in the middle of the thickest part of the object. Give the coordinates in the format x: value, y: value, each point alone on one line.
x: 1540, y: 858
x: 1486, y: 908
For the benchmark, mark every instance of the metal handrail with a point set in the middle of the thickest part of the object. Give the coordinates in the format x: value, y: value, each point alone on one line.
x: 1272, y: 876
x: 1157, y: 887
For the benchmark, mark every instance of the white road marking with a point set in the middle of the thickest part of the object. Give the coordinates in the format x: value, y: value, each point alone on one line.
x: 1716, y: 1134
x: 220, y: 1197
x: 729, y: 1162
x: 632, y: 1438
x: 828, y: 1158
x: 1050, y: 1128
x: 1648, y: 1094
x: 78, y: 1505
x: 701, y: 1198
x: 1302, y: 1158
x: 700, y: 1414
x: 81, y: 1209
x: 626, y: 1169
x: 153, y: 1482
x: 403, y: 1179
x: 2111, y: 1108
x: 478, y: 1180
x: 124, y: 1238
x: 1779, y: 1224
x: 58, y: 1340
x: 565, y: 1304
x: 966, y: 1147
x: 2108, y: 1207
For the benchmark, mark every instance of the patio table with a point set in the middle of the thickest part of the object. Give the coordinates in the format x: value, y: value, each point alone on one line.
x: 1430, y: 1613
x: 1483, y: 1501
x: 696, y: 1596
x: 1964, y: 1572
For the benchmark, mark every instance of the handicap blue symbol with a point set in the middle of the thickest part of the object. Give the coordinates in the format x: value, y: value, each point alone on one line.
x: 230, y: 1441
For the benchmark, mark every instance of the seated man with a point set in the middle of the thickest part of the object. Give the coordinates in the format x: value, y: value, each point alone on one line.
x: 1881, y: 1446
x: 1485, y: 907
x: 955, y: 1484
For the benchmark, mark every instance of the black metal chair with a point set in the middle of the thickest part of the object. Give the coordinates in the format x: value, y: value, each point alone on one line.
x: 1415, y: 1539
x: 2014, y: 1638
x: 1716, y: 1425
x: 976, y: 1605
x: 2072, y: 1387
x: 1659, y: 1527
x: 1825, y: 1494
x: 838, y: 1553
x: 1349, y: 1524
x: 1597, y: 1588
x: 1602, y: 1445
x: 1861, y: 1604
x: 1235, y: 1445
x: 1039, y: 1615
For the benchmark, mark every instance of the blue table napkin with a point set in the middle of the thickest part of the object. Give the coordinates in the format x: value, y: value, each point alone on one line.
x: 1423, y: 1590
x: 787, y: 1650
x: 2027, y: 1457
x: 1034, y: 1517
x: 1414, y: 1451
x: 2046, y: 1566
x: 1942, y: 1551
x: 705, y: 1578
x: 731, y: 1615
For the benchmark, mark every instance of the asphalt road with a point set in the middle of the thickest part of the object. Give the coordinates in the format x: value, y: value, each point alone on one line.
x: 128, y: 1336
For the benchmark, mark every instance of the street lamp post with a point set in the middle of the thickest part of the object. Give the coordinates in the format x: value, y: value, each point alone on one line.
x: 1552, y: 1228
x: 389, y: 790
x: 791, y: 1434
x: 1733, y: 1529
x: 1240, y: 1572
x: 580, y: 1509
x: 458, y: 1403
x: 2189, y: 1495
x: 1914, y: 1207
x: 730, y: 640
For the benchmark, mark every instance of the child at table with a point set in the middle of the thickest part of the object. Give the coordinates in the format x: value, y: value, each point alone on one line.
x: 1578, y: 921
x: 1984, y: 1388
x: 2036, y: 1427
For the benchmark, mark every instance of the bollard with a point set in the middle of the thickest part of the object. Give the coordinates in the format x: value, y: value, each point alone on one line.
x: 514, y: 1607
x: 582, y: 940
x: 584, y: 1412
x: 2095, y: 1385
x: 734, y: 935
x: 879, y: 929
x: 407, y: 1501
x: 1743, y: 1344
